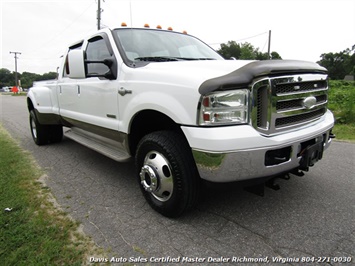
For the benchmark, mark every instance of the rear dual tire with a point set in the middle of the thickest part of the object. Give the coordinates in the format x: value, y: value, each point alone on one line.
x: 44, y: 134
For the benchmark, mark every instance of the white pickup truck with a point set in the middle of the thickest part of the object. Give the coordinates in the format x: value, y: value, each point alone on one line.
x: 183, y: 112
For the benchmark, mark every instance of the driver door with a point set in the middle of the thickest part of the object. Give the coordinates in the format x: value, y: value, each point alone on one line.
x: 98, y: 96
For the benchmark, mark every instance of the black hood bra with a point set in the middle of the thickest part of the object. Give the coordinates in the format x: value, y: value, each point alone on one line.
x: 243, y: 76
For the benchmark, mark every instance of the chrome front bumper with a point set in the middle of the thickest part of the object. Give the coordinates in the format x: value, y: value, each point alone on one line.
x: 227, y: 154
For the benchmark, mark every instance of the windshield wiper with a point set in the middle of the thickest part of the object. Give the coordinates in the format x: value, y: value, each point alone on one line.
x: 156, y: 58
x: 193, y: 58
x: 206, y: 58
x: 168, y: 58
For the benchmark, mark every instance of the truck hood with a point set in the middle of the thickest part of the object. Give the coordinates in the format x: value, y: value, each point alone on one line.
x: 188, y: 74
x: 209, y: 76
x: 243, y: 76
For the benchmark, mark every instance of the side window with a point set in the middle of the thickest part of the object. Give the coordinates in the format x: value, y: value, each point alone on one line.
x: 97, y: 50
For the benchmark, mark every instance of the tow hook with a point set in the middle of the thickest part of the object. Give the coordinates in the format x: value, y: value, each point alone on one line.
x: 297, y: 172
x: 259, y: 189
x: 272, y: 184
x: 332, y: 135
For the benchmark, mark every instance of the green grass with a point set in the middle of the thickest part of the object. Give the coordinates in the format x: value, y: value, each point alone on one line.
x: 19, y: 94
x: 342, y: 104
x: 344, y: 132
x: 34, y: 232
x: 23, y: 93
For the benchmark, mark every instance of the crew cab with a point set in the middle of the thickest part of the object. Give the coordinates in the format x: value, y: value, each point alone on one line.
x: 182, y: 112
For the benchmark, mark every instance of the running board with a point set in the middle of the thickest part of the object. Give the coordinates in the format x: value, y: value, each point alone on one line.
x: 105, y: 146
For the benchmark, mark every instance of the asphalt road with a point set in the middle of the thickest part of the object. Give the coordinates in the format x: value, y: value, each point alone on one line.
x: 310, y: 218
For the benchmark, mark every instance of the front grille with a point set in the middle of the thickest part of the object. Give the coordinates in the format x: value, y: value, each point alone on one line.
x: 283, y: 103
x: 261, y: 115
x: 301, y: 118
x: 297, y: 87
x: 298, y: 103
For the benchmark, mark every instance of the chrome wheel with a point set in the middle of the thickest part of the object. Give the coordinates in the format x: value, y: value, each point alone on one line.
x: 34, y: 128
x: 156, y: 176
x: 166, y: 173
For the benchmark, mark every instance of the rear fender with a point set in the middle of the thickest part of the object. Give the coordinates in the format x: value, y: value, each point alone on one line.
x: 40, y: 100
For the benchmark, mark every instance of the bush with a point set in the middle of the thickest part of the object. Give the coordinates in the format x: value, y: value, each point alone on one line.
x: 342, y: 101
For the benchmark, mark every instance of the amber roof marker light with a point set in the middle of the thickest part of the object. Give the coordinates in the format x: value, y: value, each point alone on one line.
x: 159, y: 27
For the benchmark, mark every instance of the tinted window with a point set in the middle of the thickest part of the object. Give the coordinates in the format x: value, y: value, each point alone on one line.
x: 97, y: 51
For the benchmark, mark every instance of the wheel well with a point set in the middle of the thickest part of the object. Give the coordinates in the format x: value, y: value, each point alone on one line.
x: 147, y: 122
x: 29, y: 104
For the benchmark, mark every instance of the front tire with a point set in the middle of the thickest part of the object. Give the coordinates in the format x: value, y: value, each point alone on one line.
x: 167, y: 173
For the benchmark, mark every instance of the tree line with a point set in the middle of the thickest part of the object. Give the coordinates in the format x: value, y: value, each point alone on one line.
x: 244, y: 51
x: 7, y: 78
x: 338, y: 64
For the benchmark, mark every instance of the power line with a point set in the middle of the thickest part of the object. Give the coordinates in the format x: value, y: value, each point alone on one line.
x: 244, y: 38
x: 61, y: 32
x: 251, y: 36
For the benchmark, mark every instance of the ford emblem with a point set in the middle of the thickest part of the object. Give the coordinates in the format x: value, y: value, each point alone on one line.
x: 309, y: 102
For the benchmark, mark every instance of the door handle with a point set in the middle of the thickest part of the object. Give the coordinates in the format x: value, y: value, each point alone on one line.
x: 122, y: 91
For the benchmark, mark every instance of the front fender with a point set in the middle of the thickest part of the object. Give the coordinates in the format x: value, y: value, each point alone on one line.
x: 181, y: 109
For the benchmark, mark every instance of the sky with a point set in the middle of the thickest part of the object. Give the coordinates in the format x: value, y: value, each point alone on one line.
x: 300, y: 29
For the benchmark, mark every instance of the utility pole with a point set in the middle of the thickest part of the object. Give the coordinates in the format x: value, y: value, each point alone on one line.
x: 16, y: 79
x: 99, y: 10
x: 268, y: 50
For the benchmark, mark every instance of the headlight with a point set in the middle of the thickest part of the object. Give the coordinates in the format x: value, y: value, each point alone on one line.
x: 221, y: 108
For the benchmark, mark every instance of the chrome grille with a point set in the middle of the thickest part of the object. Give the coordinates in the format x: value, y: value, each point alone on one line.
x: 296, y: 119
x: 291, y: 87
x: 283, y: 103
x: 297, y: 103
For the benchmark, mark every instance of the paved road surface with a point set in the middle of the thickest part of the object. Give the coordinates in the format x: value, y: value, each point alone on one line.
x: 311, y: 216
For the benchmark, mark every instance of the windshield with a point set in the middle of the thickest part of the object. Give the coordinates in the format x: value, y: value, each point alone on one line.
x: 163, y: 46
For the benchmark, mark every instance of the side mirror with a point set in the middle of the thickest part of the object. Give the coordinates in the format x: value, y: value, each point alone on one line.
x: 110, y: 63
x: 76, y: 64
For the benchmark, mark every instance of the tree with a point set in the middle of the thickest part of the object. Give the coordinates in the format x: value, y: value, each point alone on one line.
x: 229, y: 50
x: 339, y: 64
x: 7, y: 78
x: 248, y: 52
x: 49, y: 75
x: 28, y: 78
x: 244, y: 51
x: 275, y: 56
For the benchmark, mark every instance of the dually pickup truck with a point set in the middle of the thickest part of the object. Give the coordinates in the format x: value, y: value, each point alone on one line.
x: 184, y: 113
